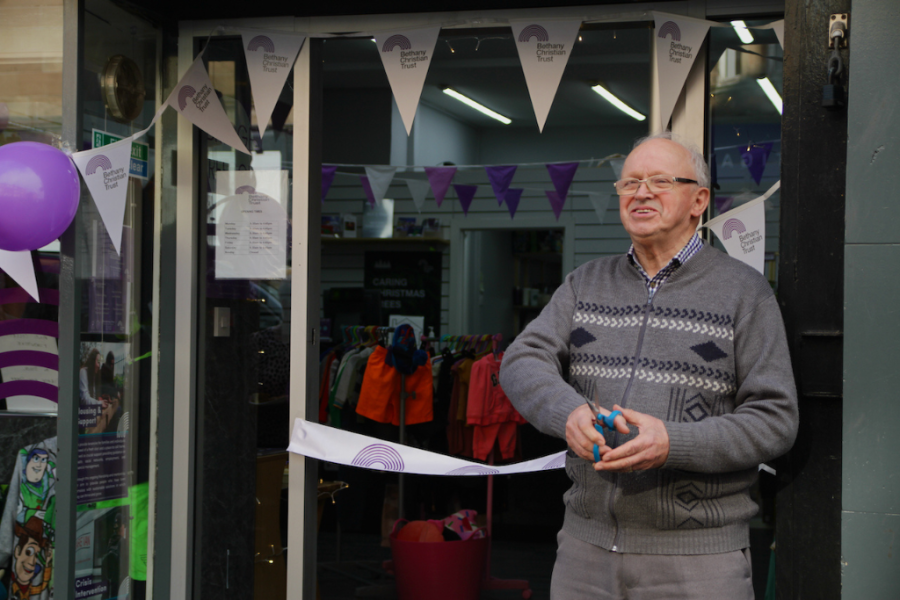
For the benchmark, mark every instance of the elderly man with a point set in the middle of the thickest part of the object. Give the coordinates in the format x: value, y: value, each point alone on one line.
x: 688, y: 344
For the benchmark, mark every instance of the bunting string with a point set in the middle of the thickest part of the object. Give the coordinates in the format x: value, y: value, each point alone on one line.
x: 406, y: 54
x: 586, y: 161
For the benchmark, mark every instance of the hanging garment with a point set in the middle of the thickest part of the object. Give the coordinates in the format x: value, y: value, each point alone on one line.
x: 334, y: 411
x: 347, y: 378
x: 28, y: 524
x: 379, y: 398
x: 325, y: 387
x: 490, y: 412
x: 459, y: 434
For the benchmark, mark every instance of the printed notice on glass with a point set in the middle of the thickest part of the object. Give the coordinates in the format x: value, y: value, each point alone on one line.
x: 251, y: 238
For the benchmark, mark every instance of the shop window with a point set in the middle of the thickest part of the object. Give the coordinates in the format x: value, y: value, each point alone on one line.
x: 745, y: 84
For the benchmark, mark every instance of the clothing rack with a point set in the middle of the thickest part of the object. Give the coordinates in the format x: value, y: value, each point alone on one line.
x: 478, y: 344
x: 490, y: 582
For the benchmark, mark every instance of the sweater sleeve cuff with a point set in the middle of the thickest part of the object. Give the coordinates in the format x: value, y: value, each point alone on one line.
x: 681, y: 446
x: 561, y: 415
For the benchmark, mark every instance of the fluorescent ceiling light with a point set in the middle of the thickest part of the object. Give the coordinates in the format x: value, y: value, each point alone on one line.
x: 479, y: 107
x: 618, y: 103
x: 740, y: 28
x: 772, y: 93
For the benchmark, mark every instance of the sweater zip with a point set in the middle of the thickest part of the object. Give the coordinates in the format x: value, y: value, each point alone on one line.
x: 637, y: 357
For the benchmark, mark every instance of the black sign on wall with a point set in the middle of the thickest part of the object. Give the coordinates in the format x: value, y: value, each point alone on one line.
x: 409, y: 282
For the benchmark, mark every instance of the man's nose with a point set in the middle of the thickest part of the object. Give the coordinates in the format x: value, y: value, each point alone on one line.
x: 643, y: 190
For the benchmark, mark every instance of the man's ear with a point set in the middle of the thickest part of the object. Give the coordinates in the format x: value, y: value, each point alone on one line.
x: 701, y: 201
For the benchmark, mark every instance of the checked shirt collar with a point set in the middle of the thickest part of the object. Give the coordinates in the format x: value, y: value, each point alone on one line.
x: 685, y: 254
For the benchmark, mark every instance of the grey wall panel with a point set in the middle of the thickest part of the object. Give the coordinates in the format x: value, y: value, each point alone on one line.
x: 871, y: 379
x: 873, y: 147
x: 869, y: 556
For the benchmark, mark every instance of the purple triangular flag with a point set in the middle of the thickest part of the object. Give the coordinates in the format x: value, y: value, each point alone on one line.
x: 723, y: 203
x: 465, y: 193
x: 440, y: 178
x: 500, y: 178
x: 367, y: 188
x: 327, y: 179
x: 755, y: 157
x: 513, y: 195
x: 555, y: 202
x: 561, y: 174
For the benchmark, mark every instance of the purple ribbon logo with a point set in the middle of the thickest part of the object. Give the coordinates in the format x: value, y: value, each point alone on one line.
x: 261, y: 41
x: 732, y: 226
x: 394, y: 41
x: 534, y: 31
x: 378, y: 456
x: 473, y: 470
x: 670, y: 28
x: 98, y: 162
x: 183, y: 94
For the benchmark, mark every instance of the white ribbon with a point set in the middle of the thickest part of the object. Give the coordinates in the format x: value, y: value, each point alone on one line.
x: 343, y: 447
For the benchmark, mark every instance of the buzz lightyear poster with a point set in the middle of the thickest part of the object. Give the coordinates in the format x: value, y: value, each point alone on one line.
x: 28, y: 525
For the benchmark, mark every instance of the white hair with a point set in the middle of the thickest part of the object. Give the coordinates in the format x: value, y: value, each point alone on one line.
x: 701, y: 170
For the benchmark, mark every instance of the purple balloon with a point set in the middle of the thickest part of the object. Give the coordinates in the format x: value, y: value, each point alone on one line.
x: 39, y: 192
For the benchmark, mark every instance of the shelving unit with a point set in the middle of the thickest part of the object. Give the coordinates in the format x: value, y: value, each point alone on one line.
x: 536, y: 274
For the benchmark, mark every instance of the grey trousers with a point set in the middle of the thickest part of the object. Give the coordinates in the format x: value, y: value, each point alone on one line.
x: 586, y: 571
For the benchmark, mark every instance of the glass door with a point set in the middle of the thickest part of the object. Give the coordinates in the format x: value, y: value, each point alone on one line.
x: 243, y: 337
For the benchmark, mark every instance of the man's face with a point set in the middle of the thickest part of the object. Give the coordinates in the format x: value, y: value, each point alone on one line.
x: 26, y: 559
x: 662, y: 219
x: 34, y: 470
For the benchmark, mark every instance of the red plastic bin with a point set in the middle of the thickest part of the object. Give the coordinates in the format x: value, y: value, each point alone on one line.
x: 439, y: 570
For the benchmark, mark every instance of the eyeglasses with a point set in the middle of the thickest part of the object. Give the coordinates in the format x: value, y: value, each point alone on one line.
x: 656, y: 184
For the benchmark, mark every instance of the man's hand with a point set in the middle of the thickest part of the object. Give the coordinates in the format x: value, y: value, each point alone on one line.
x: 581, y: 434
x: 649, y: 450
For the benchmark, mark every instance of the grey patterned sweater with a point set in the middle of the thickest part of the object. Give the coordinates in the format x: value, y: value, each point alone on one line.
x: 708, y: 355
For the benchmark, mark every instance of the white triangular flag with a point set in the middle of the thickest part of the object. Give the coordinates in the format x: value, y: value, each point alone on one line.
x: 617, y: 164
x: 544, y: 49
x: 600, y: 202
x: 380, y: 180
x: 406, y: 57
x: 778, y: 28
x: 195, y: 98
x: 743, y: 230
x: 678, y: 40
x: 270, y: 56
x: 105, y: 171
x: 418, y: 188
x: 18, y: 265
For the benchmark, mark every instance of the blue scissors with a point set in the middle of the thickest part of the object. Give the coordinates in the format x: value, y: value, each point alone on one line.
x: 607, y: 422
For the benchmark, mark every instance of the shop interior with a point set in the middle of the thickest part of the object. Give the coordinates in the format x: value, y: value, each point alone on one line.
x: 510, y: 266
